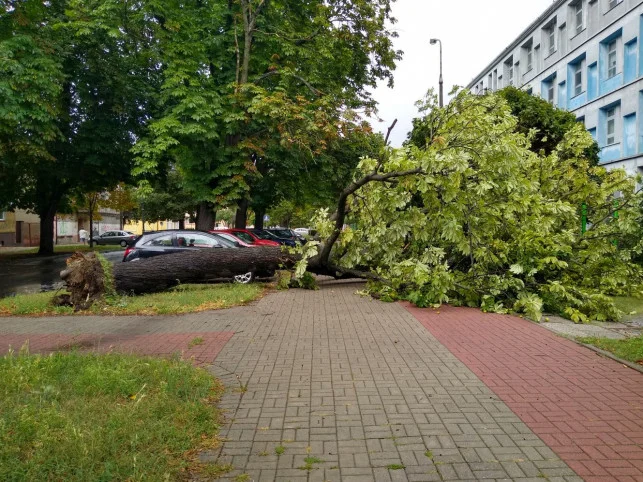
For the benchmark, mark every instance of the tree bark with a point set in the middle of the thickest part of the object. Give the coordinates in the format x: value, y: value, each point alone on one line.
x: 204, y: 216
x: 259, y: 214
x: 241, y: 217
x: 47, y: 229
x: 163, y: 272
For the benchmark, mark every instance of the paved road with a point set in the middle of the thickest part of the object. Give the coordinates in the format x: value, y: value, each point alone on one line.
x: 33, y: 274
x: 363, y: 390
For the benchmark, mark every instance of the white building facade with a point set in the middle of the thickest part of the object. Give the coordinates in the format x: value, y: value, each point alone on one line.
x: 583, y: 56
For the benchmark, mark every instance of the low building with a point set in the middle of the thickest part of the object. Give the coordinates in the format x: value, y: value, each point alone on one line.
x: 19, y: 228
x: 583, y: 56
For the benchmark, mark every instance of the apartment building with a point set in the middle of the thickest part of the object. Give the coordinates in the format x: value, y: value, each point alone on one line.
x: 583, y: 56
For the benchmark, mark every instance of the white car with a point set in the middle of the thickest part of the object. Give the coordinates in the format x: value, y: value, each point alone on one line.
x: 302, y: 231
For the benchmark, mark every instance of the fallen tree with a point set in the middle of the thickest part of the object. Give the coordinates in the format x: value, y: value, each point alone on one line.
x: 200, y: 265
x: 467, y: 213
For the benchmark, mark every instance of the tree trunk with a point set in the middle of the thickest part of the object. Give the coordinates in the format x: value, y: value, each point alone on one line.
x: 91, y: 226
x: 182, y: 223
x: 259, y: 213
x: 47, y: 216
x: 241, y: 217
x: 204, y: 216
x: 163, y: 272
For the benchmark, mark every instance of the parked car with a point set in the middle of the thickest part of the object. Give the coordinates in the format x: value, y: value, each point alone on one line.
x: 231, y: 237
x: 114, y: 237
x: 288, y: 234
x: 248, y: 236
x: 267, y: 235
x: 160, y: 243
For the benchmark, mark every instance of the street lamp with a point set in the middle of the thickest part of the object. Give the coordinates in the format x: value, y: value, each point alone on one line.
x: 433, y: 41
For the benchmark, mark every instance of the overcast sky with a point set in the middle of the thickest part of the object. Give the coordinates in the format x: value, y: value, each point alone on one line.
x: 472, y: 32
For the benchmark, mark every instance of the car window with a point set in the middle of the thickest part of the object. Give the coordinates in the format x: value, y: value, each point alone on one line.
x: 165, y: 240
x: 245, y: 236
x: 200, y: 241
x: 262, y: 234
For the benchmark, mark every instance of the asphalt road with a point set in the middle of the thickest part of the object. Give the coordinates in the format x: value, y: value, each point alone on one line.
x: 33, y: 274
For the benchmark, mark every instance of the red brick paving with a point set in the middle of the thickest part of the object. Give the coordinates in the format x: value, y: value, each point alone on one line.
x: 587, y: 408
x: 158, y: 344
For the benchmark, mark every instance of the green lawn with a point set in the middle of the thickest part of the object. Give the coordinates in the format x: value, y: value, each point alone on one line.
x: 76, y: 417
x: 631, y: 306
x: 630, y: 349
x: 181, y: 299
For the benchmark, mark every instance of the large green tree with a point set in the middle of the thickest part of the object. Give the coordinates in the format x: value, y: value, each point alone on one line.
x: 76, y: 80
x: 252, y: 89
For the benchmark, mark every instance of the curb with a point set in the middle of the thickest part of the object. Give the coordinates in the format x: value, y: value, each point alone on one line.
x: 607, y: 354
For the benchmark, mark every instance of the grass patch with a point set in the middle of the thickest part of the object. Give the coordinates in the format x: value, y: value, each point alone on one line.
x: 396, y: 467
x: 310, y: 463
x: 630, y: 305
x: 280, y: 449
x: 77, y: 417
x: 196, y: 341
x: 630, y: 349
x: 181, y: 299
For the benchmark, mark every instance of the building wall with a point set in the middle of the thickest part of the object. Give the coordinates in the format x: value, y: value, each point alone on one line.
x: 19, y: 228
x: 136, y: 227
x: 593, y: 68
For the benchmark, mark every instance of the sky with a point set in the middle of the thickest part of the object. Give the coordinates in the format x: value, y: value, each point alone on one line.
x: 472, y: 32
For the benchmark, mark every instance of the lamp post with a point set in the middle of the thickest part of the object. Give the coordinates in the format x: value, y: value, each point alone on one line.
x: 433, y: 41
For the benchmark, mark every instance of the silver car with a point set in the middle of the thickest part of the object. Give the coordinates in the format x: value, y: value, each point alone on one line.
x: 123, y: 238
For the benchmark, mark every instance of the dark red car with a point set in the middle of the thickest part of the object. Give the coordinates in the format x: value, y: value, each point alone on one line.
x: 247, y: 236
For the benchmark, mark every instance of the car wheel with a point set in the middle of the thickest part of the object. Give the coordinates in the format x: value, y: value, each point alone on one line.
x: 124, y: 244
x: 244, y: 278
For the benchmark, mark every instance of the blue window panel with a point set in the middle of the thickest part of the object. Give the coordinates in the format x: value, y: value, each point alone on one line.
x: 629, y: 61
x: 641, y: 123
x: 577, y: 101
x: 629, y: 135
x: 609, y: 85
x: 592, y: 81
x: 592, y: 132
x: 640, y: 50
x: 610, y: 153
x: 562, y: 95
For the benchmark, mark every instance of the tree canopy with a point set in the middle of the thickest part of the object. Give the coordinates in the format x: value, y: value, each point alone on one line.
x: 75, y: 79
x: 253, y: 89
x: 472, y: 215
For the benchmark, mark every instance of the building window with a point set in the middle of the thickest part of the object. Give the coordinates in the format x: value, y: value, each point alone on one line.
x: 509, y: 71
x: 2, y: 214
x: 550, y: 93
x: 610, y: 116
x: 613, y: 3
x: 578, y: 16
x: 528, y: 54
x: 578, y: 78
x: 549, y: 39
x: 611, y: 59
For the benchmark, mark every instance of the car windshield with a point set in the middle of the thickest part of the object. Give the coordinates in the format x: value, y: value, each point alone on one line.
x: 264, y: 234
x: 245, y: 236
x: 224, y: 240
x: 282, y: 232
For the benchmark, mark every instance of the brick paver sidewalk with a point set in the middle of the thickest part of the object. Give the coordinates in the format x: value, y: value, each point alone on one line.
x: 361, y: 391
x: 327, y: 385
x: 587, y: 408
